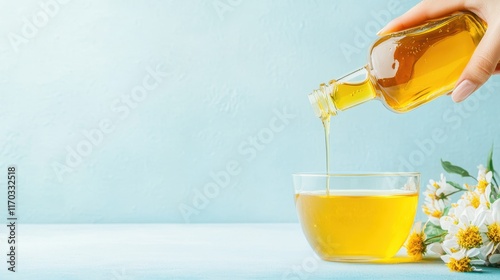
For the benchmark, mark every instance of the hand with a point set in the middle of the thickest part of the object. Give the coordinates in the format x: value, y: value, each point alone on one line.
x: 485, y: 60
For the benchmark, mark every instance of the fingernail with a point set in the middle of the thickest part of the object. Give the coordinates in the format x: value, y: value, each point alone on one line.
x: 384, y: 29
x: 463, y: 90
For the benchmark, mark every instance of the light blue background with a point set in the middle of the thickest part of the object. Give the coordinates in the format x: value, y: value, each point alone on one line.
x: 228, y: 68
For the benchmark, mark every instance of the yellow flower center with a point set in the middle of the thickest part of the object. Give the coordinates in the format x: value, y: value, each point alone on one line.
x: 462, y: 265
x: 436, y: 214
x: 474, y: 199
x: 435, y: 185
x: 469, y: 238
x: 481, y: 185
x: 494, y: 233
x: 415, y: 246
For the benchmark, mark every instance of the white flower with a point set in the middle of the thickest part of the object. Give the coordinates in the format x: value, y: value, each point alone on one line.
x: 415, y: 244
x: 483, y: 177
x: 434, y: 210
x: 439, y: 190
x: 475, y: 198
x: 447, y: 221
x: 437, y: 199
x: 492, y: 234
x: 480, y: 194
x: 467, y: 232
x: 461, y: 260
x: 445, y: 188
x: 455, y: 211
x: 483, y: 187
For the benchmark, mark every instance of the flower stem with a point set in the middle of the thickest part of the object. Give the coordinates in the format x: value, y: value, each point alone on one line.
x: 454, y: 192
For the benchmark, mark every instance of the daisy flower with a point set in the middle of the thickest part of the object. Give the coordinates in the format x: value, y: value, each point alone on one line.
x: 468, y: 231
x: 483, y: 179
x: 437, y: 198
x: 462, y: 260
x: 415, y: 245
x: 475, y: 198
x: 440, y: 190
x: 492, y: 234
x: 434, y: 210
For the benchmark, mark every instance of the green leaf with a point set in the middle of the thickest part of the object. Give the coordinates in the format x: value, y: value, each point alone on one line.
x: 446, y: 210
x: 455, y: 185
x: 453, y: 169
x: 434, y: 233
x: 489, y: 164
x: 489, y: 167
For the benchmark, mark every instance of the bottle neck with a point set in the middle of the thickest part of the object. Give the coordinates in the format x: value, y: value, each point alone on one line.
x: 321, y: 101
x: 339, y: 95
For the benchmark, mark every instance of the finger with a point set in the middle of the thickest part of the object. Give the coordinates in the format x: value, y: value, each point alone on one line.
x: 481, y: 66
x: 425, y: 10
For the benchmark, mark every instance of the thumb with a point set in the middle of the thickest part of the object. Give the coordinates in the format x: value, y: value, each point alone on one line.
x: 480, y: 67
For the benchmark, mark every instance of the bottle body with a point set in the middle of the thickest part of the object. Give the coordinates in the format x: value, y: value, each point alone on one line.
x: 409, y: 68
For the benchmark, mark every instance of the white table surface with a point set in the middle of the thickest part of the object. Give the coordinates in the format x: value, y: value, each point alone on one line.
x: 193, y: 251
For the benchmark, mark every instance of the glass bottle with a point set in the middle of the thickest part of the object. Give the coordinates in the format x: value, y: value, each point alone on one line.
x: 406, y: 69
